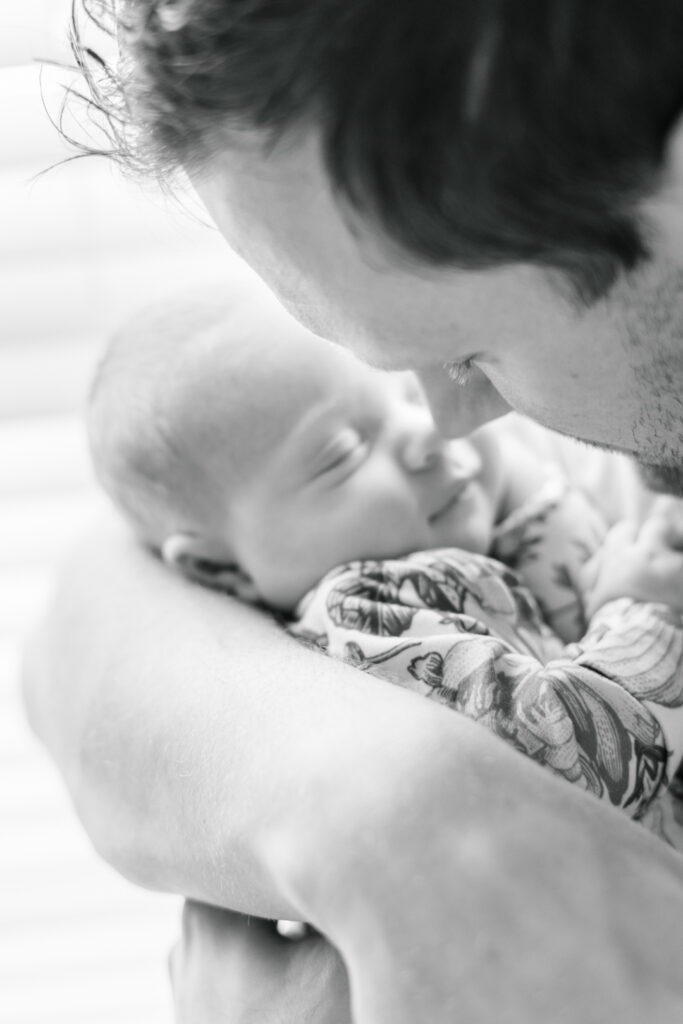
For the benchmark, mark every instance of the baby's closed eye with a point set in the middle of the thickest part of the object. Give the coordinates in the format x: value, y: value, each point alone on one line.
x: 343, y: 453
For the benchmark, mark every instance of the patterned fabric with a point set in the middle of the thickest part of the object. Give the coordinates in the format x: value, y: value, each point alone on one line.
x: 546, y: 542
x: 462, y: 629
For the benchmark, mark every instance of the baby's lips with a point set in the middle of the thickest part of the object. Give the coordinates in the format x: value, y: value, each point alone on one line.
x: 463, y: 458
x: 452, y: 495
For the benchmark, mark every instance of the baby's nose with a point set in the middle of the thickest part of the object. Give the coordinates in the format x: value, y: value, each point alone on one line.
x: 422, y: 448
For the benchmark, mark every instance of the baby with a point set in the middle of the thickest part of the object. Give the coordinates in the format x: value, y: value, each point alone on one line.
x: 258, y: 459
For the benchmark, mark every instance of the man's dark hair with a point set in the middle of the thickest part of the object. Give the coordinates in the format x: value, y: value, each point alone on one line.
x: 475, y: 133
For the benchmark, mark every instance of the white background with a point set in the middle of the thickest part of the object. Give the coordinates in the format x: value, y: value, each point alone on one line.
x: 79, y: 250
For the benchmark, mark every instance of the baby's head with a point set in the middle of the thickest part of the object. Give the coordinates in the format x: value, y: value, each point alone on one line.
x: 232, y: 438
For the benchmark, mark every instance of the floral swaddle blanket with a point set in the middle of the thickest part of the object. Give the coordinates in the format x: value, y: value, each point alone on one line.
x: 600, y: 704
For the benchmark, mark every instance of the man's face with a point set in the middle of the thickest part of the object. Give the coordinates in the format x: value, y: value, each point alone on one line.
x: 611, y: 374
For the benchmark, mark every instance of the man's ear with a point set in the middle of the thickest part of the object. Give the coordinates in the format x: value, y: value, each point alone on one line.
x: 199, y: 560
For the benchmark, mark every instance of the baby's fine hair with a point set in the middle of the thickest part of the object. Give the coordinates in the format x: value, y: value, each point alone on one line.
x: 149, y: 394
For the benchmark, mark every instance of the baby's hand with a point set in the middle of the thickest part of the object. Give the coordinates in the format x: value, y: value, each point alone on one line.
x: 643, y: 562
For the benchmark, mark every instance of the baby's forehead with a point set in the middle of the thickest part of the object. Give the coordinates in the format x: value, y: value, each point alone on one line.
x: 245, y: 396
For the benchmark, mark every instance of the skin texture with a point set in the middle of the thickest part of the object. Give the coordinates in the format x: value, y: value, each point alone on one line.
x: 608, y: 373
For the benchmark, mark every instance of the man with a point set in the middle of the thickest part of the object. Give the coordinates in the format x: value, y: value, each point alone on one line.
x: 488, y: 192
x: 491, y: 185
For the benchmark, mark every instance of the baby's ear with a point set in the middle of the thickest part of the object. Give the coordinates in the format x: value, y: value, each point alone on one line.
x: 200, y: 561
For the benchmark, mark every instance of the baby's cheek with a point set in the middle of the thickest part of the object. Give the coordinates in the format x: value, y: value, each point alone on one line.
x: 399, y: 527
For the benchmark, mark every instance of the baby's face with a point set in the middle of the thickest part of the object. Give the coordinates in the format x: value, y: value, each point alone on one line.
x: 357, y: 471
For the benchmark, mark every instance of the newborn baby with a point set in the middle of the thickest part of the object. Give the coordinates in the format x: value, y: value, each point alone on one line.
x: 258, y: 459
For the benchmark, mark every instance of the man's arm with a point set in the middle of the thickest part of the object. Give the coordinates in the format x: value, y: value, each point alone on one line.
x: 199, y: 742
x: 209, y: 754
x: 192, y: 732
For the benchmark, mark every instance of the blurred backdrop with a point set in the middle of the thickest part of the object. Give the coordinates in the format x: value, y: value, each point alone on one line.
x: 80, y: 249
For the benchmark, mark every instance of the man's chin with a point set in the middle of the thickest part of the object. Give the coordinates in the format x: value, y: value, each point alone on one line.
x: 662, y: 479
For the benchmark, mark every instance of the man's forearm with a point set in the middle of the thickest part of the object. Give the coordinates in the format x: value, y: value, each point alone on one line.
x: 201, y: 745
x: 209, y: 754
x: 494, y: 892
x: 185, y: 724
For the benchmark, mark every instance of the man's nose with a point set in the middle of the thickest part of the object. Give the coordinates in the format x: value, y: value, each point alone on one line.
x: 459, y: 409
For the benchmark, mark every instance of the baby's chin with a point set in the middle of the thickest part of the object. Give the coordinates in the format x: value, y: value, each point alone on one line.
x: 476, y: 537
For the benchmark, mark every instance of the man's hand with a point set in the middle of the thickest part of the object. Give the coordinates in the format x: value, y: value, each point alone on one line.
x: 230, y: 969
